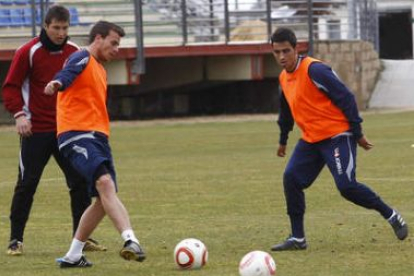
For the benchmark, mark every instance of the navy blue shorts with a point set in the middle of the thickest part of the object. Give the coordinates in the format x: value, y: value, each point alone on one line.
x: 88, y: 152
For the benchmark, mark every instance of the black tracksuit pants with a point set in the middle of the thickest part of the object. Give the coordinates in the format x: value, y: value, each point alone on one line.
x: 35, y: 152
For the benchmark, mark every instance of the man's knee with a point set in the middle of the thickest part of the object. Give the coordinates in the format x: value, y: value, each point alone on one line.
x: 28, y: 187
x: 290, y: 180
x: 104, y: 181
x: 288, y: 175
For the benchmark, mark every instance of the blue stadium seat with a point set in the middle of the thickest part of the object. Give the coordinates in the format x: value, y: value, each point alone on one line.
x: 5, y: 18
x: 27, y: 16
x: 22, y: 2
x: 46, y: 2
x: 16, y: 18
x: 74, y: 16
x: 6, y: 2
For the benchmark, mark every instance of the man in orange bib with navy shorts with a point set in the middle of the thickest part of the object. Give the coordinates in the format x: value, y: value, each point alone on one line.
x: 313, y: 97
x: 83, y: 132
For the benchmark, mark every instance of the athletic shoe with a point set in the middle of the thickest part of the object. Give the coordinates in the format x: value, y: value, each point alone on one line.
x: 290, y: 243
x: 399, y: 226
x: 15, y: 248
x: 82, y: 262
x: 93, y: 245
x: 132, y: 251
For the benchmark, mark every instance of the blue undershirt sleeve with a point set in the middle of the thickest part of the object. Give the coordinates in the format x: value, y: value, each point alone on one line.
x: 329, y: 83
x: 75, y: 64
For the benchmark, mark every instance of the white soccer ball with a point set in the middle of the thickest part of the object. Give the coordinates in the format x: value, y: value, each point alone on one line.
x: 257, y: 263
x: 190, y: 254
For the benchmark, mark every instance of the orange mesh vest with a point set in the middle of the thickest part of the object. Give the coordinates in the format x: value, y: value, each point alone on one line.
x: 82, y: 105
x: 314, y: 113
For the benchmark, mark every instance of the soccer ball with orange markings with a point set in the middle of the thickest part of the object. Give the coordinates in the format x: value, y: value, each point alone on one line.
x: 257, y: 263
x: 190, y: 254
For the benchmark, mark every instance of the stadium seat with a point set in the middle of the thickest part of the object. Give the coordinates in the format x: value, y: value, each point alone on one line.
x: 27, y: 16
x: 6, y: 2
x: 16, y: 18
x: 74, y: 16
x: 4, y: 18
x: 46, y: 2
x: 22, y: 2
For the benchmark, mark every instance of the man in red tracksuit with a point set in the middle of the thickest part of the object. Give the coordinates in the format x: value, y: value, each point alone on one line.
x: 34, y: 65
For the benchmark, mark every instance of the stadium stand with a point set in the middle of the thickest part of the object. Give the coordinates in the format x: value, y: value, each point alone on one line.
x: 166, y: 23
x: 16, y: 18
x: 162, y: 20
x: 203, y: 47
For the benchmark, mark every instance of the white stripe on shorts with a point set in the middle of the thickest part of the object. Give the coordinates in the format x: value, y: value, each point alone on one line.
x: 89, y: 135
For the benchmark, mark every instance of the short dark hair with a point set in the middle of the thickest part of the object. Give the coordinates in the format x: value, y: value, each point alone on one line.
x: 103, y: 28
x: 58, y: 12
x: 284, y: 35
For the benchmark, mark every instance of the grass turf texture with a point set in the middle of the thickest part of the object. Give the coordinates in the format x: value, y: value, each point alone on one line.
x: 221, y: 182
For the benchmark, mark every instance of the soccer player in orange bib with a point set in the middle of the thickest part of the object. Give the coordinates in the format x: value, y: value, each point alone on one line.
x: 325, y: 110
x: 83, y: 131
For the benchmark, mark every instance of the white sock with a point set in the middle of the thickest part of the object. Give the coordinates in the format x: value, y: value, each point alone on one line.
x: 75, y: 250
x: 129, y: 235
x: 297, y: 239
x: 393, y: 214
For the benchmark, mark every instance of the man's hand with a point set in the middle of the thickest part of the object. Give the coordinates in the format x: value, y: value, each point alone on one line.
x: 281, y: 151
x: 23, y: 126
x: 364, y: 143
x: 52, y: 87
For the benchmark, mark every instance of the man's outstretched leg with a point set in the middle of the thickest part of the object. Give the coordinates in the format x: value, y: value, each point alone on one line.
x: 342, y: 165
x: 117, y: 213
x: 107, y: 203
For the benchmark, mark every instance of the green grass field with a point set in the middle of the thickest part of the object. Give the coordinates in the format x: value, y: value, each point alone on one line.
x: 221, y: 182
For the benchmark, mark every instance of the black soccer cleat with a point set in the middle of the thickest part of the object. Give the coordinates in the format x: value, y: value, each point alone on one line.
x: 399, y: 226
x: 132, y: 251
x: 290, y: 243
x: 82, y: 262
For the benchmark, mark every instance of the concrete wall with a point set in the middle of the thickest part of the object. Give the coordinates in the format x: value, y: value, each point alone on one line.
x: 162, y: 73
x: 357, y: 64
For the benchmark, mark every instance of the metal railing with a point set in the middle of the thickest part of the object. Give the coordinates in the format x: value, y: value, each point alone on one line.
x: 227, y: 21
x: 182, y: 22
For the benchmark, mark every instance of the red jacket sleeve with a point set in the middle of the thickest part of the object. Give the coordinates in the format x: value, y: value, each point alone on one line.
x: 12, y: 86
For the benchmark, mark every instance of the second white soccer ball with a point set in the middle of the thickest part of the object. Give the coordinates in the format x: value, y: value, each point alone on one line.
x: 257, y: 263
x: 190, y: 254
